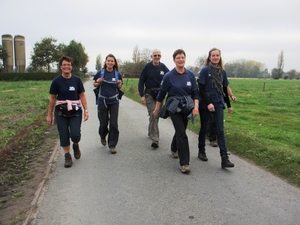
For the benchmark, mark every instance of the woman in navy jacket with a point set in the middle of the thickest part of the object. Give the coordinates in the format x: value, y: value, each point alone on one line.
x: 182, y: 101
x: 213, y: 84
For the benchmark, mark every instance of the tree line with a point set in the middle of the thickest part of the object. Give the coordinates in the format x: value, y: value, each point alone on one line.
x: 46, y: 54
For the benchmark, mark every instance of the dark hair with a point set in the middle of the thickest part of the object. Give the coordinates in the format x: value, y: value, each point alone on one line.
x: 177, y: 52
x: 65, y: 58
x: 116, y: 66
x: 207, y: 61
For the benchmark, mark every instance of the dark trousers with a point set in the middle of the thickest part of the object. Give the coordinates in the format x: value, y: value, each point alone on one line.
x: 69, y: 127
x: 219, y: 121
x: 180, y: 141
x: 211, y: 131
x: 105, y: 116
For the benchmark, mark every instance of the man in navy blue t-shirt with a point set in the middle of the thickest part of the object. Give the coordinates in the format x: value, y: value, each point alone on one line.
x: 148, y: 86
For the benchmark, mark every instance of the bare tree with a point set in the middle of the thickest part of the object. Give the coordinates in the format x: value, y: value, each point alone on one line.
x: 280, y: 64
x: 98, y: 62
x: 136, y: 55
x: 145, y: 55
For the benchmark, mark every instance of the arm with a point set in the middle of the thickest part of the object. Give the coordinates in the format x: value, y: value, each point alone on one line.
x: 227, y: 100
x: 51, y: 105
x: 231, y: 94
x: 84, y: 104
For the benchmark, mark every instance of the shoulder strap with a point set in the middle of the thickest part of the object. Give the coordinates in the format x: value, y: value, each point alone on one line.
x: 102, y: 73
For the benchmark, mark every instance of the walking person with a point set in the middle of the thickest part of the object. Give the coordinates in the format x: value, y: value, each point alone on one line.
x: 182, y: 102
x: 67, y: 97
x: 109, y: 81
x: 213, y: 84
x: 148, y: 86
x: 211, y: 131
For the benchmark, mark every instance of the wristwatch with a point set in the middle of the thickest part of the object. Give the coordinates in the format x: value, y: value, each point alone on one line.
x: 86, y: 110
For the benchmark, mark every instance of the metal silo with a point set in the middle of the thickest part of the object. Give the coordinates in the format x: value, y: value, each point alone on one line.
x: 20, y: 55
x: 7, y: 45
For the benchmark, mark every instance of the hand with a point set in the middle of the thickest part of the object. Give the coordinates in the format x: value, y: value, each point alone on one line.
x: 100, y: 80
x: 195, y: 111
x: 229, y: 111
x: 233, y: 98
x: 119, y: 83
x: 156, y: 112
x: 211, y: 107
x: 86, y: 116
x: 143, y: 100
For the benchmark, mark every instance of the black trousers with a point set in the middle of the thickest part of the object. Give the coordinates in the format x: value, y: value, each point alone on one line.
x: 211, y: 131
x: 109, y: 116
x: 180, y: 141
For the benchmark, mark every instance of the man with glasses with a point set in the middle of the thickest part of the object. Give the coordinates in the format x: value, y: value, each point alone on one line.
x: 148, y: 86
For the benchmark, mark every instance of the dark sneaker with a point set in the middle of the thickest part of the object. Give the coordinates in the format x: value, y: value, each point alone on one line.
x: 202, y: 156
x: 185, y: 169
x: 103, y: 141
x: 68, y: 160
x: 154, y: 144
x: 77, y: 152
x: 213, y: 144
x: 174, y: 154
x: 113, y: 150
x: 226, y: 163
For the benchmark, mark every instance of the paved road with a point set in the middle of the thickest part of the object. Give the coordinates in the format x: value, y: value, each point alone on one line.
x: 139, y: 185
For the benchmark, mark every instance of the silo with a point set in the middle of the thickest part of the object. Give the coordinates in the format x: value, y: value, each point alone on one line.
x: 7, y: 45
x: 20, y: 56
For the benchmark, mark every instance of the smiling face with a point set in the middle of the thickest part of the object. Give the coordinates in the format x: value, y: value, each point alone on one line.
x: 215, y: 57
x: 110, y: 62
x: 66, y: 67
x: 179, y: 60
x: 156, y: 57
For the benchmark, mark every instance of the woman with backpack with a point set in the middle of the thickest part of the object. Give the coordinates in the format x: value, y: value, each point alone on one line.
x: 109, y: 81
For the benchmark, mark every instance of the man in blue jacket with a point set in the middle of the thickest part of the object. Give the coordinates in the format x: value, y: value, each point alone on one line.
x: 148, y: 86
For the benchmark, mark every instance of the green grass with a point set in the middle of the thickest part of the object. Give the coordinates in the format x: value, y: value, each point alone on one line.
x: 264, y: 126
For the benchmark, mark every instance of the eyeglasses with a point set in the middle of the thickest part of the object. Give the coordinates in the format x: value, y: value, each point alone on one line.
x: 66, y: 65
x: 156, y: 55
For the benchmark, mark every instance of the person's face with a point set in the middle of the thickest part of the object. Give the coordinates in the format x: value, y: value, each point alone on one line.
x: 110, y: 62
x: 179, y: 60
x: 66, y: 67
x: 215, y: 57
x: 156, y: 57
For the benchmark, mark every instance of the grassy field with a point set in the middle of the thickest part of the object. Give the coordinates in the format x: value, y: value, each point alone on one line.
x: 264, y: 126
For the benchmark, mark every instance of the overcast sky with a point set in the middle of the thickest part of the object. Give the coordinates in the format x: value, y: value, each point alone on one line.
x: 252, y: 30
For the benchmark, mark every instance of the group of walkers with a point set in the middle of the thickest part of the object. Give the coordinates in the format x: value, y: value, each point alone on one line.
x: 185, y: 97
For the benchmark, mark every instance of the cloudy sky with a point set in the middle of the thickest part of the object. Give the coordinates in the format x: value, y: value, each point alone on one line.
x: 253, y: 30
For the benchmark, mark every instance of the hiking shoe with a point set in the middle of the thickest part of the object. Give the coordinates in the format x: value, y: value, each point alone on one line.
x: 213, y: 144
x: 202, y: 156
x: 174, y: 154
x: 103, y: 141
x: 68, y: 160
x: 77, y: 152
x: 113, y: 150
x: 154, y: 144
x: 185, y: 169
x: 226, y: 163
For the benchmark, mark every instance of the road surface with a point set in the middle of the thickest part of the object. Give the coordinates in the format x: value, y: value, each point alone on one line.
x: 142, y: 186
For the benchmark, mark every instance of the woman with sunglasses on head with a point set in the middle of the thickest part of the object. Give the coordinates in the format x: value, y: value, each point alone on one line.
x: 67, y: 95
x: 182, y: 102
x: 213, y: 90
x: 108, y: 80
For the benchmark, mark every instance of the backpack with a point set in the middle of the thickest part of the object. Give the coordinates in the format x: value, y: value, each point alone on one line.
x: 97, y: 89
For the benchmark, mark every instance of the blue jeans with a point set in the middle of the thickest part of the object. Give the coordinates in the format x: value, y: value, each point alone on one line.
x: 69, y: 127
x: 218, y: 116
